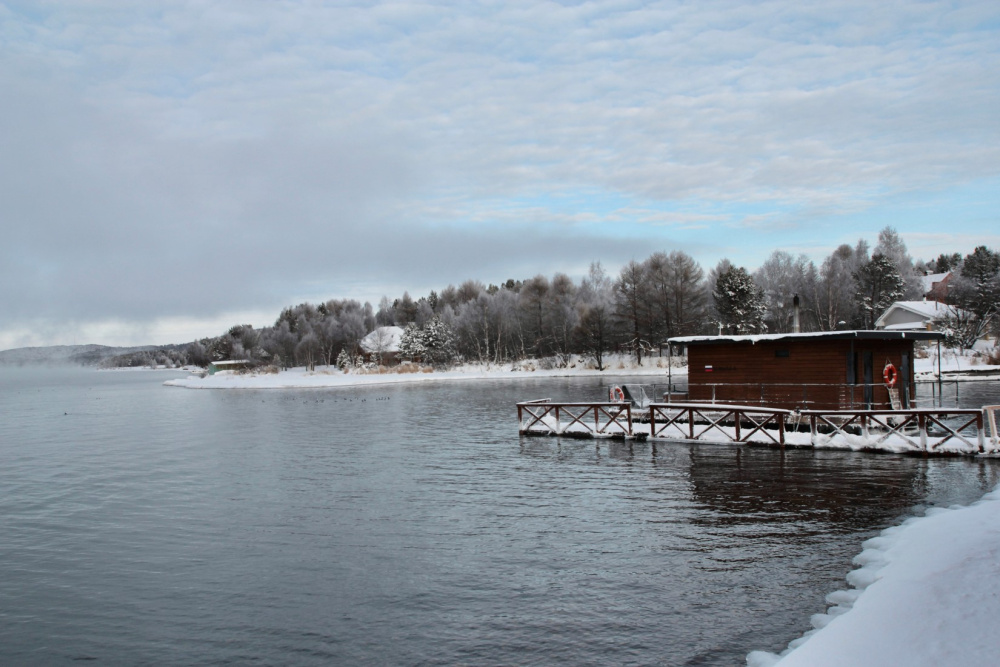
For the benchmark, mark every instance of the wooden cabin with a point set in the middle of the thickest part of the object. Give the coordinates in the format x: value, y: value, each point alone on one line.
x: 832, y: 370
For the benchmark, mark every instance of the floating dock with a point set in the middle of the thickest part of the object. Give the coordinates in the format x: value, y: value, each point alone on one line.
x: 945, y: 431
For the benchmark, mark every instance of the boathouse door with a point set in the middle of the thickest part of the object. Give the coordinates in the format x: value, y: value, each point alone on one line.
x: 869, y: 378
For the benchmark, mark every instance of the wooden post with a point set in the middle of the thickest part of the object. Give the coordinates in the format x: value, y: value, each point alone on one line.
x: 991, y: 410
x: 781, y: 429
x: 922, y: 425
x: 670, y: 369
x: 736, y: 420
x: 557, y: 419
x: 812, y: 430
x: 979, y: 431
x: 652, y: 422
x: 940, y: 388
x: 691, y: 421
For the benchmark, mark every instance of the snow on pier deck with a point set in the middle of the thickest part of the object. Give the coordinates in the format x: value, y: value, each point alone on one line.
x: 945, y: 431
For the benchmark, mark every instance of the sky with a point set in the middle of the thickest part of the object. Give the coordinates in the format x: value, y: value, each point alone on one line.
x: 171, y: 168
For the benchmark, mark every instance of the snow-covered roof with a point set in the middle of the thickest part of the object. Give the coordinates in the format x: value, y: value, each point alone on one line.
x: 818, y: 335
x: 924, y: 310
x: 928, y: 281
x: 383, y: 339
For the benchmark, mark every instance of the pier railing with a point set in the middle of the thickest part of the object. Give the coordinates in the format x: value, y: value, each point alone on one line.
x: 992, y: 413
x: 732, y: 423
x: 912, y: 426
x: 575, y: 419
x: 931, y: 430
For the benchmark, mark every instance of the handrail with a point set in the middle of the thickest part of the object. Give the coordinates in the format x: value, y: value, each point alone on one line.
x: 991, y: 414
x: 549, y: 417
x: 923, y: 429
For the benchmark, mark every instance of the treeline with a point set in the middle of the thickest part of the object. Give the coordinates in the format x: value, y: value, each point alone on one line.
x: 665, y: 295
x: 168, y: 356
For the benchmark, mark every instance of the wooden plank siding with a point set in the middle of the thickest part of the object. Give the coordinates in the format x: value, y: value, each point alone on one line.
x: 795, y: 373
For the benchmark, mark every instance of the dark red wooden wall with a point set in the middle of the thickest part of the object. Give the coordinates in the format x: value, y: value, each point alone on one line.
x: 795, y: 373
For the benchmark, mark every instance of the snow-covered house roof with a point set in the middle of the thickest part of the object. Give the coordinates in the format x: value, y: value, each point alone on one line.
x: 382, y: 340
x: 816, y: 335
x: 908, y: 315
x: 929, y: 281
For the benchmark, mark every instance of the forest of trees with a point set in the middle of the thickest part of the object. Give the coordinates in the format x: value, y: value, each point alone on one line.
x: 665, y: 295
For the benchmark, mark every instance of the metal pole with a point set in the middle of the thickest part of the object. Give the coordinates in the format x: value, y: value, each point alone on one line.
x: 670, y: 368
x: 940, y: 404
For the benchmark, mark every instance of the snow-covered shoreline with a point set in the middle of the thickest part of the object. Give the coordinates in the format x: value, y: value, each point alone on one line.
x: 298, y: 378
x: 925, y: 594
x: 952, y: 368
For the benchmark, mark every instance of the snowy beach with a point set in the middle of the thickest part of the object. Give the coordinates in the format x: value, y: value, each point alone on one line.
x: 300, y: 378
x: 952, y: 367
x: 924, y: 594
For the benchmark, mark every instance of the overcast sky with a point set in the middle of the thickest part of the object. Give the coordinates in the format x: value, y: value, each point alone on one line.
x: 170, y: 168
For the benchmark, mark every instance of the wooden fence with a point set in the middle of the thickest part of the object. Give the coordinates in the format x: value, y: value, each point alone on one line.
x: 732, y: 423
x: 912, y: 426
x: 923, y: 429
x: 544, y: 417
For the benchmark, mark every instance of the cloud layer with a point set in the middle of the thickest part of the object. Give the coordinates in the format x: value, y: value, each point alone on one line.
x: 185, y: 159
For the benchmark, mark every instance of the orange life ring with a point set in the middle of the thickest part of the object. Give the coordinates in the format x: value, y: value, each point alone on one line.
x: 889, y: 375
x: 617, y: 395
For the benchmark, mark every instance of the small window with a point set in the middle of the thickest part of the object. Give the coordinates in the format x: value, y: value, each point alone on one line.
x: 783, y: 354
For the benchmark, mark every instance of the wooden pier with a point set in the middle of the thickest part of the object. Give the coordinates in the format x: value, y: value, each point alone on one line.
x: 921, y: 430
x: 577, y: 420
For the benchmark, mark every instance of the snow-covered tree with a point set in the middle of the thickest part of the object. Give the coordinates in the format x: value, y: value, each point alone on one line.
x: 689, y: 298
x: 739, y: 302
x: 977, y: 290
x: 633, y: 307
x: 782, y: 277
x: 434, y: 342
x: 892, y: 247
x: 411, y: 343
x: 878, y: 285
x: 438, y: 341
x: 595, y: 329
x: 834, y: 293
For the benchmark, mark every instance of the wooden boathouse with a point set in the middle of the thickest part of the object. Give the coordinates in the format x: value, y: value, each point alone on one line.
x: 830, y: 370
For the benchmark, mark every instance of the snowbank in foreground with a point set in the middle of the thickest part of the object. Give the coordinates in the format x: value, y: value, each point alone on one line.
x: 927, y: 594
x: 323, y: 377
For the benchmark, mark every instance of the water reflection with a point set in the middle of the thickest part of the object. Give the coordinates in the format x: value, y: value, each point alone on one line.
x: 829, y: 491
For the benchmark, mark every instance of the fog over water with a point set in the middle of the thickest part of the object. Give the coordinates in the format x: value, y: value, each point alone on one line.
x: 411, y: 525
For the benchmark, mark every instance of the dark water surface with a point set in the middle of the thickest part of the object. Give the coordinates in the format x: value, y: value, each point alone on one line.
x: 409, y: 525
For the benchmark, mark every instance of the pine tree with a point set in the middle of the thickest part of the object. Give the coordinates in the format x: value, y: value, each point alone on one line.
x: 739, y: 302
x: 438, y: 341
x: 976, y: 291
x: 878, y: 284
x: 411, y: 343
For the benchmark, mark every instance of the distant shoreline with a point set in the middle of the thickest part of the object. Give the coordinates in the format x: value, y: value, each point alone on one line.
x: 300, y: 378
x: 653, y: 367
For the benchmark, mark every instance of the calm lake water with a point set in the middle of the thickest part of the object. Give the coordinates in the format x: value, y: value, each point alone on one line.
x: 410, y: 525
